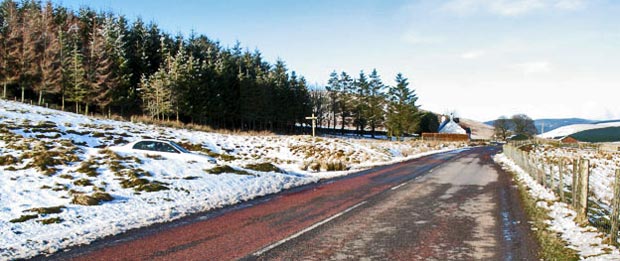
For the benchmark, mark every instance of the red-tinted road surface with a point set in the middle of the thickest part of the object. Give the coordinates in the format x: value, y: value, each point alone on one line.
x: 253, y: 230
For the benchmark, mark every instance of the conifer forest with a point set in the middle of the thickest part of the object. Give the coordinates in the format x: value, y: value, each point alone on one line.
x: 101, y: 63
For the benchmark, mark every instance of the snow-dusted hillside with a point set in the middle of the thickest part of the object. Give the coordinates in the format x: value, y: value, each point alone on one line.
x: 572, y: 129
x: 60, y: 185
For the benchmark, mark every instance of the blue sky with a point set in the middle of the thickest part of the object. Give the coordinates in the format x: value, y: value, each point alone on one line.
x: 480, y: 58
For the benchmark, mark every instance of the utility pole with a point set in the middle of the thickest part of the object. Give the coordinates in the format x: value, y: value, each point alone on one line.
x: 313, y: 118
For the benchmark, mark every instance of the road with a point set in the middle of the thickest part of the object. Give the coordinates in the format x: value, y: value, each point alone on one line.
x: 457, y: 205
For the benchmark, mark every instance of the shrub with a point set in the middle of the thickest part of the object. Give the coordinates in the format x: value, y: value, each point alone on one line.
x: 226, y: 169
x: 91, y: 200
x: 7, y: 160
x: 152, y: 187
x: 82, y: 182
x: 48, y: 210
x: 133, y: 182
x: 264, y: 167
x: 50, y: 221
x: 23, y: 218
x: 89, y: 168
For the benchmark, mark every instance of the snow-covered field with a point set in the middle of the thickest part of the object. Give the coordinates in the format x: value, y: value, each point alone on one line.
x: 587, y: 241
x: 61, y: 186
x: 572, y: 129
x: 603, y: 165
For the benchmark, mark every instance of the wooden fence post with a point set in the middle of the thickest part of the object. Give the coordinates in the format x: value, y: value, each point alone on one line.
x: 561, y: 181
x: 574, y: 185
x: 551, y: 179
x: 582, y: 200
x: 615, y: 210
x: 543, y: 174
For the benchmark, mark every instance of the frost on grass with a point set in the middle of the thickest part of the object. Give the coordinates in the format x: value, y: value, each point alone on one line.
x: 61, y: 186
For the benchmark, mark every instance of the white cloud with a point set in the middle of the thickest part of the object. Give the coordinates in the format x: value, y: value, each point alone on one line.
x: 472, y: 54
x: 533, y: 67
x: 509, y: 7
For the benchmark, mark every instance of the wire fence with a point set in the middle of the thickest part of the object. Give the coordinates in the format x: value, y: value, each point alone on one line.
x: 569, y: 178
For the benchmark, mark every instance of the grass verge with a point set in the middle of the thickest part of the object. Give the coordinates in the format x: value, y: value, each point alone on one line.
x: 552, y: 247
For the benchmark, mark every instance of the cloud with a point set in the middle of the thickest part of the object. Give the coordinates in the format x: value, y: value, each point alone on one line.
x: 534, y: 67
x: 472, y: 54
x: 416, y: 38
x: 509, y: 7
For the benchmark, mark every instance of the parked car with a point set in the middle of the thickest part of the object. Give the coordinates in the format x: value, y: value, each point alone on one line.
x: 165, y: 148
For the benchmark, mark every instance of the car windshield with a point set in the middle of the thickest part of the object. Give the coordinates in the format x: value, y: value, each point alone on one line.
x: 179, y: 147
x: 159, y: 146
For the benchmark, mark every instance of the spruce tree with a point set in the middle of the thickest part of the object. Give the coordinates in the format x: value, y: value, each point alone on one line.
x: 360, y: 102
x: 50, y: 61
x: 402, y: 115
x: 375, y: 101
x: 333, y: 88
x: 77, y: 88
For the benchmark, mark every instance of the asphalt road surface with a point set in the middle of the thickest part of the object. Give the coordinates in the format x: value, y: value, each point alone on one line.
x: 450, y: 206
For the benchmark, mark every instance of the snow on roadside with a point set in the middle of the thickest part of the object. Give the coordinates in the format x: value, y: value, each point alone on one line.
x: 79, y: 142
x: 587, y: 241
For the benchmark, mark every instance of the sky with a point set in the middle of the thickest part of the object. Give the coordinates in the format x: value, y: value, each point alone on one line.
x: 481, y: 59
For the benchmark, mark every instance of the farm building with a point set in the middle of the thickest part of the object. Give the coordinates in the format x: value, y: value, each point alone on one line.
x: 449, y: 130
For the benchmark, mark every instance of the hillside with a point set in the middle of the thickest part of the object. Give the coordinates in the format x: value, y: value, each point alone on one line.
x: 552, y: 124
x: 608, y: 134
x: 479, y: 130
x: 60, y: 185
x: 572, y: 129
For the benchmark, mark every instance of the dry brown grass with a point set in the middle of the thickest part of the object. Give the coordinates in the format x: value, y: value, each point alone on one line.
x: 91, y: 200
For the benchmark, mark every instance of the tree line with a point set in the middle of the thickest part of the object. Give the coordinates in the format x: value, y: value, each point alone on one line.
x: 98, y: 61
x: 367, y: 104
x: 519, y: 126
x: 88, y: 61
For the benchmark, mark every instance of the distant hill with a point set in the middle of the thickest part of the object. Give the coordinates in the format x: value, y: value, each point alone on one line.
x: 552, y: 124
x: 585, y: 131
x: 479, y: 130
x: 609, y: 134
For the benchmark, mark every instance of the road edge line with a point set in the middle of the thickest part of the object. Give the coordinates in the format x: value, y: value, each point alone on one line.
x: 310, y: 228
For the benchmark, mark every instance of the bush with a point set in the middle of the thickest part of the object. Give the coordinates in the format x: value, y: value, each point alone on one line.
x: 91, y: 200
x: 23, y: 218
x: 50, y: 221
x: 226, y: 169
x: 7, y: 160
x: 264, y: 167
x: 48, y: 210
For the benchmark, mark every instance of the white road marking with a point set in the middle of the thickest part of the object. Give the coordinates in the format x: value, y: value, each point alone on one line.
x: 274, y: 245
x: 396, y: 187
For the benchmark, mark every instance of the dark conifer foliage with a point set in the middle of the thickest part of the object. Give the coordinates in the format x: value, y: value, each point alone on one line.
x: 102, y: 63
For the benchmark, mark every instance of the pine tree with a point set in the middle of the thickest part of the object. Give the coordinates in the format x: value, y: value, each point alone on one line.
x: 50, y: 61
x: 100, y: 79
x: 344, y: 101
x: 402, y: 114
x: 375, y: 101
x: 333, y: 88
x: 32, y: 42
x: 77, y: 88
x: 118, y: 75
x: 12, y: 31
x: 360, y: 101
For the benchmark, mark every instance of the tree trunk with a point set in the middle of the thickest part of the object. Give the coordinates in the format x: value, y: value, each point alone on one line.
x: 77, y: 107
x: 372, y: 131
x: 86, y: 110
x: 4, y: 91
x: 40, y: 97
x: 63, y: 103
x: 23, y: 90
